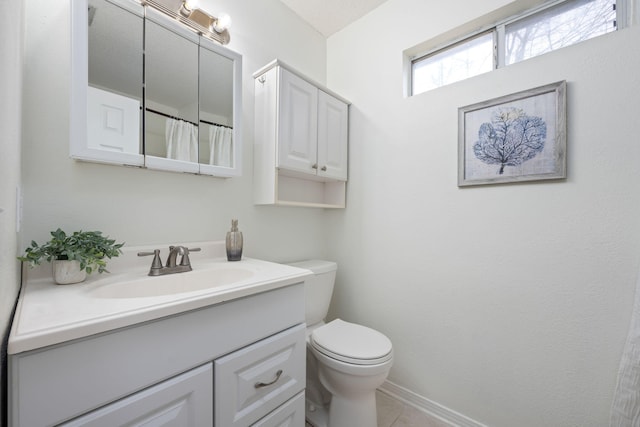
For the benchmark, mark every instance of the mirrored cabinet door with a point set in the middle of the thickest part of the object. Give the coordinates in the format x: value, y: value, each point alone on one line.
x: 216, y: 108
x: 112, y: 100
x: 220, y: 78
x: 171, y: 95
x: 114, y: 97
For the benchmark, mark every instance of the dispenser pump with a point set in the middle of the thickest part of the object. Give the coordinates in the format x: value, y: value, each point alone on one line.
x: 234, y: 242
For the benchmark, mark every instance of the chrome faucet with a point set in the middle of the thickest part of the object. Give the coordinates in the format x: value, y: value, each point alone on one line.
x: 171, y: 266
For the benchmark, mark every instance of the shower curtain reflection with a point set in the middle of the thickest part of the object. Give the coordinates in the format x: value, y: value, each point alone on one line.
x: 181, y: 140
x: 220, y: 146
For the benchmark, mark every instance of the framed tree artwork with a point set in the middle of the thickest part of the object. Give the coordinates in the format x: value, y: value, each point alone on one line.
x: 514, y: 138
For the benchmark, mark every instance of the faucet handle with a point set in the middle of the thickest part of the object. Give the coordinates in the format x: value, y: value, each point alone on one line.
x: 156, y: 264
x: 149, y: 253
x: 185, y: 256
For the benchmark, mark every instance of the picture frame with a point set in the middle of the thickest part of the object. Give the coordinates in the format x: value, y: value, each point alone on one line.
x: 514, y: 138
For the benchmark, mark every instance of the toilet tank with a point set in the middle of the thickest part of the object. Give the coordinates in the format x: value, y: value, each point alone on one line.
x: 318, y: 288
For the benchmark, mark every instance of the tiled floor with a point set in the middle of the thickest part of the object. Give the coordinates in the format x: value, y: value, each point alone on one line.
x: 393, y: 413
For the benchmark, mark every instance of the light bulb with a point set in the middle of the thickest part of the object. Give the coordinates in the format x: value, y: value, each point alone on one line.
x: 222, y: 23
x: 190, y: 5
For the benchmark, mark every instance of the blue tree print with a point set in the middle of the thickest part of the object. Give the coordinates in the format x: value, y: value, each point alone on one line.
x: 510, y: 139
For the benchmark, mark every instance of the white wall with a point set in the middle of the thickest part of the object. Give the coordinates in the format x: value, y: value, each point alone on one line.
x: 141, y: 206
x: 10, y: 114
x: 509, y: 304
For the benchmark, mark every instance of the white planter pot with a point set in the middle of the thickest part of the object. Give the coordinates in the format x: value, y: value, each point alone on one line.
x: 66, y: 272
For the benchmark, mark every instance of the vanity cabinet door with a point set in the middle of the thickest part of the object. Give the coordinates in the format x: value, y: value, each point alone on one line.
x: 333, y: 124
x: 255, y: 380
x: 185, y: 400
x: 298, y: 124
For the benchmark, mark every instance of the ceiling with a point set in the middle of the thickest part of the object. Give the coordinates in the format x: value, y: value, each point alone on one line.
x: 330, y: 16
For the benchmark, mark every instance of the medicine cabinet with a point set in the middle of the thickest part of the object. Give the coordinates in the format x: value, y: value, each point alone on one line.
x: 301, y: 137
x: 148, y: 91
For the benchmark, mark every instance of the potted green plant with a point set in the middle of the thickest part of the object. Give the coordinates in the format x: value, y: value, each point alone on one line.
x: 73, y: 256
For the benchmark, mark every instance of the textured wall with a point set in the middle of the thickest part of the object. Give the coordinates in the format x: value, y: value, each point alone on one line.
x: 10, y: 115
x: 509, y: 304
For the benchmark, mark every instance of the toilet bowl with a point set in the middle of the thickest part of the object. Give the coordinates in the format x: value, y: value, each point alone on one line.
x: 353, y: 361
x: 346, y: 362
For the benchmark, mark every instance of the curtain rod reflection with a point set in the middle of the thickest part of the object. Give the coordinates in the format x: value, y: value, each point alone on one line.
x: 178, y: 118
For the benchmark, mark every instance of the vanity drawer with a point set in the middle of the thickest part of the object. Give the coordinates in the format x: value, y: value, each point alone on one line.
x: 290, y: 414
x: 255, y: 380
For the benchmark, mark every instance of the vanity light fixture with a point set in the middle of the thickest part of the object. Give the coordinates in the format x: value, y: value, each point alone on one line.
x: 191, y: 14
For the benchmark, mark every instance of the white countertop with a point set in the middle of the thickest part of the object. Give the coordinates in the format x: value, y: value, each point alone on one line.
x: 49, y: 314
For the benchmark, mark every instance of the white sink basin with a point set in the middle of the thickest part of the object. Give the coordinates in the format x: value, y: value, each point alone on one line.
x: 48, y: 314
x: 177, y: 283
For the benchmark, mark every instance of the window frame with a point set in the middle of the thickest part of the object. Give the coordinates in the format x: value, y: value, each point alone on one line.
x: 623, y: 20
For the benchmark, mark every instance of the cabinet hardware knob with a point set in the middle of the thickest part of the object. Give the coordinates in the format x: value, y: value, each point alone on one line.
x: 262, y: 79
x: 324, y: 169
x: 261, y: 384
x: 314, y: 166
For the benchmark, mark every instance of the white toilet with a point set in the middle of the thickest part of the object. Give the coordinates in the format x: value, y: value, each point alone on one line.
x: 346, y: 362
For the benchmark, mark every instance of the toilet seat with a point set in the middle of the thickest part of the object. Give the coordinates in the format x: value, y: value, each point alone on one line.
x: 352, y: 343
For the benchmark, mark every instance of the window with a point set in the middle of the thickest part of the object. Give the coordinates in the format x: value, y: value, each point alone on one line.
x: 566, y: 24
x: 467, y: 59
x: 555, y: 25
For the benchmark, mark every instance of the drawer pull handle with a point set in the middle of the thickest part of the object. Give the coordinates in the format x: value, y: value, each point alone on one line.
x: 260, y: 385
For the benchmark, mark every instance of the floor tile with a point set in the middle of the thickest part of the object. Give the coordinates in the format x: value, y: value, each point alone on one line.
x: 394, y: 413
x: 412, y: 417
x: 389, y: 409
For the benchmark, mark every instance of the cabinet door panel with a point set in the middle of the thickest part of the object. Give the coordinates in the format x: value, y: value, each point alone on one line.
x: 298, y: 127
x: 184, y: 401
x: 333, y: 117
x: 291, y: 414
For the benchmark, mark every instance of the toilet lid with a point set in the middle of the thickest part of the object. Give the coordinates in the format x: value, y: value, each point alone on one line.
x: 351, y: 343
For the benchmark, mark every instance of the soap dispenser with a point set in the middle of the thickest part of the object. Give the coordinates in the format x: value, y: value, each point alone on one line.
x: 234, y: 242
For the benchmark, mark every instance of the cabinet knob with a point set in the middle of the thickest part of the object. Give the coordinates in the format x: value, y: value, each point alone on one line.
x: 324, y: 169
x: 314, y: 166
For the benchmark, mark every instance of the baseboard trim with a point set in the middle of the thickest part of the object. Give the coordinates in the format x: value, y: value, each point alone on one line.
x: 429, y: 406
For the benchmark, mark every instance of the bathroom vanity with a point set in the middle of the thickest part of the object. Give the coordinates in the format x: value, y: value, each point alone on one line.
x: 125, y: 346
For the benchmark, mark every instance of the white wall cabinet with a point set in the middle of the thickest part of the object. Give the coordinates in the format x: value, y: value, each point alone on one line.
x: 301, y: 140
x: 161, y: 372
